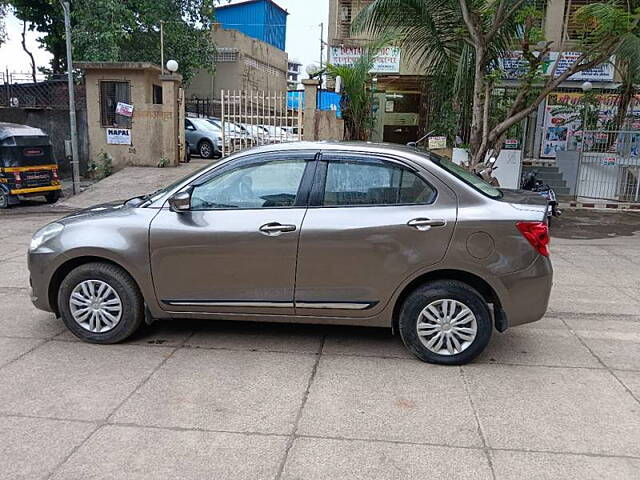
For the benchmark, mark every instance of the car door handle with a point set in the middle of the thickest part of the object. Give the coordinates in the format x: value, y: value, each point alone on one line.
x: 424, y: 224
x: 275, y: 228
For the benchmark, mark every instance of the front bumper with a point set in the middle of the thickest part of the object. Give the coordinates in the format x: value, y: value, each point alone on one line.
x: 528, y: 292
x: 42, y: 265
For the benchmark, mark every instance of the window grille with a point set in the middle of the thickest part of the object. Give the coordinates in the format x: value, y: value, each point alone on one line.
x: 110, y: 94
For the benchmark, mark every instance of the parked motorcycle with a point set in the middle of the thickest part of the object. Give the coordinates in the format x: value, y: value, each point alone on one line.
x: 529, y: 181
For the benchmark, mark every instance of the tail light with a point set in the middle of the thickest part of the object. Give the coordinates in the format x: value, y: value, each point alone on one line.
x: 18, y: 178
x: 54, y: 174
x: 537, y: 233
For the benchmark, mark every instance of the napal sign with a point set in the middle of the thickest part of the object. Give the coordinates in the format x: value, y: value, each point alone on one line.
x: 387, y: 60
x: 514, y: 66
x: 118, y: 136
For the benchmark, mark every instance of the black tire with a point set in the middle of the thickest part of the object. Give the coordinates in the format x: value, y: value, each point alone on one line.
x: 439, y: 290
x: 205, y: 149
x: 132, y: 302
x: 52, y: 197
x: 4, y: 200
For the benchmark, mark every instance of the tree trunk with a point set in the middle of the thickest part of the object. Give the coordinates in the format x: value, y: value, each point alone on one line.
x: 479, y: 130
x: 24, y: 47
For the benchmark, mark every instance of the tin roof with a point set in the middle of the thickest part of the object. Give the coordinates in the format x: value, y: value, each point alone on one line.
x: 247, y: 2
x: 15, y: 130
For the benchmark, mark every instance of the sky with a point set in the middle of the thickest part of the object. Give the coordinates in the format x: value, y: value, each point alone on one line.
x: 303, y: 36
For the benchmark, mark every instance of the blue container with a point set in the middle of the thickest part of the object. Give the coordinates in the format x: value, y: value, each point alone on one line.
x: 260, y: 19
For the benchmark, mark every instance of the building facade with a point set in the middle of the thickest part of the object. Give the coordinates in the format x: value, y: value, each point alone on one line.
x: 263, y: 20
x: 294, y: 70
x: 242, y: 63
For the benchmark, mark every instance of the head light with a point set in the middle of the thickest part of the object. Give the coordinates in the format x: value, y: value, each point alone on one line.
x: 45, y: 234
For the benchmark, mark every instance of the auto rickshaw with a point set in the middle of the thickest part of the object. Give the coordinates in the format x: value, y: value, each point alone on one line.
x: 27, y: 167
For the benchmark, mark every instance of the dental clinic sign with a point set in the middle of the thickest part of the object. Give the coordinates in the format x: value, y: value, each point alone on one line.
x: 514, y: 66
x: 387, y: 61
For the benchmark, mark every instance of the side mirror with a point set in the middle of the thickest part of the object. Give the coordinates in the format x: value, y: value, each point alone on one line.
x: 180, y: 202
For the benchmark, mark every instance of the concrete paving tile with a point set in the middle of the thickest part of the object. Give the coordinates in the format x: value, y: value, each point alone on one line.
x: 168, y: 333
x: 14, y: 273
x: 631, y: 381
x: 19, y: 318
x: 12, y: 348
x: 257, y: 336
x: 554, y: 409
x: 597, y: 299
x: 553, y: 466
x: 321, y: 459
x: 131, y: 453
x: 616, y: 343
x: 550, y: 321
x: 223, y: 390
x: 75, y: 380
x: 554, y: 347
x: 389, y: 399
x: 31, y: 448
x: 368, y: 342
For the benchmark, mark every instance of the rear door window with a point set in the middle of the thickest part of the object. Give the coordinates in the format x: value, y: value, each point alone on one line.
x: 353, y: 182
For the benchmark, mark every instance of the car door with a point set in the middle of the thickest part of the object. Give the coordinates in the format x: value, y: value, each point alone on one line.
x: 235, y: 249
x: 372, y: 222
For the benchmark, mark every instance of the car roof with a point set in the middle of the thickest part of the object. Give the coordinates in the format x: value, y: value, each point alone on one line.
x: 15, y: 130
x: 348, y: 146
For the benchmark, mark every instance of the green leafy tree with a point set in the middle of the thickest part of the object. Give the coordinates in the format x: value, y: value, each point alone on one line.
x: 112, y: 30
x: 47, y: 18
x: 3, y: 14
x: 464, y: 39
x: 124, y: 30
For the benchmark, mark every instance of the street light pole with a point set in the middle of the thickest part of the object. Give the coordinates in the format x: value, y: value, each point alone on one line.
x: 75, y: 165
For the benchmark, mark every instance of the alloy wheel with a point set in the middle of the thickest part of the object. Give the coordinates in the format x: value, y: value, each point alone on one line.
x: 95, y: 306
x: 447, y: 327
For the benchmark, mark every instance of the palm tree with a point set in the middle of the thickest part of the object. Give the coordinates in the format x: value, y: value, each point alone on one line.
x: 357, y: 98
x: 464, y: 41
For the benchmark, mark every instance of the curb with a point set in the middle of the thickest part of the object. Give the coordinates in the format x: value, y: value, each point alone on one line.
x: 600, y: 206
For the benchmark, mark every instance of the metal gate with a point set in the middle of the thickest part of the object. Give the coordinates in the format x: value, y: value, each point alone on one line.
x: 251, y: 118
x: 609, y: 166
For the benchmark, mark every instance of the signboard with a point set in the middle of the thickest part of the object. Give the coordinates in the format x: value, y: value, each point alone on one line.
x: 124, y: 109
x: 437, y: 143
x: 118, y: 136
x: 387, y: 61
x: 511, y: 144
x: 513, y: 66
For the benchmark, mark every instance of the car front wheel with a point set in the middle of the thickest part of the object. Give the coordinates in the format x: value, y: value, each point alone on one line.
x: 445, y: 322
x: 205, y: 149
x: 100, y: 303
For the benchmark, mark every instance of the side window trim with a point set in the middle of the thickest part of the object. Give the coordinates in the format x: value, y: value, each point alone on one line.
x: 316, y: 199
x: 304, y: 188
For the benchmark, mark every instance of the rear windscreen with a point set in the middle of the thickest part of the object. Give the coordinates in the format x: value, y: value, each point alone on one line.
x: 25, y: 152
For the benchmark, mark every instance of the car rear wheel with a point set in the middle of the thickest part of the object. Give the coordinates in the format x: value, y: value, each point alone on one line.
x: 100, y: 303
x: 52, y: 197
x: 445, y: 322
x: 205, y: 149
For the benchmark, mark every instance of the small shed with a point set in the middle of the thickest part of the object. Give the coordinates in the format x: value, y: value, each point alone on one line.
x: 263, y: 20
x: 134, y: 113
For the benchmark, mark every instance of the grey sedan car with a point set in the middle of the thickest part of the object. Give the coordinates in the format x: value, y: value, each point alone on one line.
x: 204, y: 138
x: 321, y: 233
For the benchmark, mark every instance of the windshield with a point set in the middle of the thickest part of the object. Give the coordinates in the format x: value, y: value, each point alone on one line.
x: 469, y: 178
x: 204, y: 124
x: 152, y: 197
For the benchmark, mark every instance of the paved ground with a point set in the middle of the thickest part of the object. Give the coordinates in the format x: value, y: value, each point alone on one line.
x: 195, y: 400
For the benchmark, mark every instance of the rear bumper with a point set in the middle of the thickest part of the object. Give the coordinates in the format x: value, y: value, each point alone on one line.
x: 38, y: 190
x: 528, y: 292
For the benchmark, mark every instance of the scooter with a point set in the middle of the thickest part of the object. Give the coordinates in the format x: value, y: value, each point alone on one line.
x: 530, y: 182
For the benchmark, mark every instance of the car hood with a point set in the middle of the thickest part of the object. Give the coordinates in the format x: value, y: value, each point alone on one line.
x: 97, y: 211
